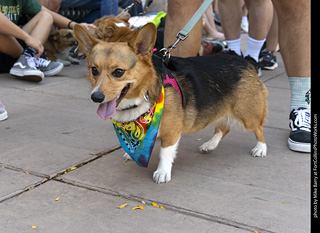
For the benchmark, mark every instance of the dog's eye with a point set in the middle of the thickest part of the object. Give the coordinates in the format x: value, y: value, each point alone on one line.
x: 69, y: 35
x: 94, y: 71
x: 118, y: 72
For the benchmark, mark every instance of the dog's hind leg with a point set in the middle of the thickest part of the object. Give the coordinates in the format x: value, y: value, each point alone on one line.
x: 167, y: 156
x: 260, y: 150
x: 220, y: 132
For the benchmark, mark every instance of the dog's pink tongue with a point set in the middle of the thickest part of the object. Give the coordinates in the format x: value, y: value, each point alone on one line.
x: 107, y: 110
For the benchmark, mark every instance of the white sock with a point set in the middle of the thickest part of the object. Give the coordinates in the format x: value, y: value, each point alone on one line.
x: 234, y: 45
x: 254, y: 47
x: 300, y: 92
x: 244, y: 19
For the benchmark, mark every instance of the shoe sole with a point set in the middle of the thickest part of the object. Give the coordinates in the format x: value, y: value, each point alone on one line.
x: 270, y: 67
x: 299, y: 146
x: 3, y: 116
x: 28, y: 75
x: 54, y: 71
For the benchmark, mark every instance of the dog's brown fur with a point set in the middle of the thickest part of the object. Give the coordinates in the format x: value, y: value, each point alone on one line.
x: 107, y: 29
x: 58, y: 45
x: 245, y: 104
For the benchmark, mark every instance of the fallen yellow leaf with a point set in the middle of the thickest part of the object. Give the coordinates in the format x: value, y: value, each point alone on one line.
x: 71, y: 169
x: 162, y: 207
x: 285, y: 202
x: 138, y: 207
x: 143, y: 202
x: 122, y: 206
x: 57, y: 199
x: 34, y: 227
x: 155, y: 204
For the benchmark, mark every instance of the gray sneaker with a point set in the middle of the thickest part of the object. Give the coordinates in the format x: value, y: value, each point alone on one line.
x: 49, y: 68
x: 25, y: 68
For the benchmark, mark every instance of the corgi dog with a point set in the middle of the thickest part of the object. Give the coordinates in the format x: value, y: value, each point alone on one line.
x: 58, y: 46
x: 217, y: 90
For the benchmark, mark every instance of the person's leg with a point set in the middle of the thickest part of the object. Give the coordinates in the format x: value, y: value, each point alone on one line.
x: 53, y: 5
x: 10, y: 46
x: 109, y: 7
x: 39, y: 26
x: 294, y: 39
x: 210, y: 26
x: 260, y: 18
x: 29, y: 67
x: 272, y: 37
x: 179, y: 13
x: 268, y: 60
x: 230, y: 14
x: 294, y: 36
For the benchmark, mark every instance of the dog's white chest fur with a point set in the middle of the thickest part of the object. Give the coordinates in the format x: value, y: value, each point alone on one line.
x: 123, y: 115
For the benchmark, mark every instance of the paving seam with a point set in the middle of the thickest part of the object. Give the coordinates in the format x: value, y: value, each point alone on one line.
x: 172, y: 208
x: 46, y: 177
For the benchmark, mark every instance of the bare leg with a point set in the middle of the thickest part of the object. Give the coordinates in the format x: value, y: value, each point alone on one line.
x: 179, y: 13
x: 39, y: 26
x: 210, y: 26
x: 9, y: 45
x: 272, y: 37
x: 260, y: 18
x: 294, y: 36
x: 230, y: 14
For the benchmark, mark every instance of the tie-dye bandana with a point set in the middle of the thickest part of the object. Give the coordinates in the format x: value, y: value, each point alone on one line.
x: 138, y: 137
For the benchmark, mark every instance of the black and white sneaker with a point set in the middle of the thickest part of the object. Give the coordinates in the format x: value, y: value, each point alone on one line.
x: 49, y: 68
x: 268, y: 61
x: 300, y: 135
x: 25, y: 68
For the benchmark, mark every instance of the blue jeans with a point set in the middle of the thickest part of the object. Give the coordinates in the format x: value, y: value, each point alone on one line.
x: 99, y: 7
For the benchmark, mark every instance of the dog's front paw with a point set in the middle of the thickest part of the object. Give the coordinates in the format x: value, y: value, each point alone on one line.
x: 161, y: 176
x: 260, y: 150
x: 127, y: 157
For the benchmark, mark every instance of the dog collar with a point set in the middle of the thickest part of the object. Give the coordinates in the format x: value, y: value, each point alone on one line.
x: 138, y: 137
x: 145, y: 97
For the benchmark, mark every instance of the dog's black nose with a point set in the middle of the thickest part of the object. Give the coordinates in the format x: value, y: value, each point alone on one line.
x: 97, y: 97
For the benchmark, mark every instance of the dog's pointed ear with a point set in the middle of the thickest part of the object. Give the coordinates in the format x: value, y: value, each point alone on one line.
x: 85, y: 40
x: 124, y: 17
x: 143, y: 42
x: 55, y: 35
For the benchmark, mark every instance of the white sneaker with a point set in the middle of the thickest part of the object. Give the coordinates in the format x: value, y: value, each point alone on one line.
x: 245, y: 26
x: 3, y: 112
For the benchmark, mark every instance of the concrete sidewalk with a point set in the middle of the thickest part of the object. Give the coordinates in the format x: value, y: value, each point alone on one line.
x: 61, y: 169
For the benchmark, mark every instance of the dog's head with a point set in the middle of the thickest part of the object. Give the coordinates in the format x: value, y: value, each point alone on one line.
x: 118, y: 70
x: 62, y: 39
x: 112, y: 29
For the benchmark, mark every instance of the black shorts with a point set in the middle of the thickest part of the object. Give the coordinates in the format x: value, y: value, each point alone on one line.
x: 6, y: 61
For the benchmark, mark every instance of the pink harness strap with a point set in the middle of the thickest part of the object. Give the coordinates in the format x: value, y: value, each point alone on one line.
x: 169, y: 80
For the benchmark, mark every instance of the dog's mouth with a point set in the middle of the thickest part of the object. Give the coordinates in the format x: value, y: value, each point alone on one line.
x: 108, y: 109
x: 123, y: 93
